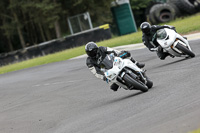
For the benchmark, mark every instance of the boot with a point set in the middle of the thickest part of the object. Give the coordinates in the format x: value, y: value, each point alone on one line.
x: 185, y: 37
x: 114, y: 87
x: 140, y: 65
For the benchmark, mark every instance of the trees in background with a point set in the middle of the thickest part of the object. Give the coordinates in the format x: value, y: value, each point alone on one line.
x: 139, y: 8
x: 26, y: 22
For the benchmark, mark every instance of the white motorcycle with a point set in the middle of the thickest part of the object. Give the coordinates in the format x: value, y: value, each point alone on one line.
x: 125, y: 73
x: 173, y: 43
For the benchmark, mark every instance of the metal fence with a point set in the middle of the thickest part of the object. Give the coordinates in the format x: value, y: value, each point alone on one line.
x: 80, y: 22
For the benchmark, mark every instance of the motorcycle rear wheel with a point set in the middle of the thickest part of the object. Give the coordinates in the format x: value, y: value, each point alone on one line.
x: 140, y: 86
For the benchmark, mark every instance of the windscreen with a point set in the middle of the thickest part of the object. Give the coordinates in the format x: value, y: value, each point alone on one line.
x: 161, y: 34
x: 107, y: 62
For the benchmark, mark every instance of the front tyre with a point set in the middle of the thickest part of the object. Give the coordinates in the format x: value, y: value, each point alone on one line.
x: 149, y: 83
x: 140, y: 86
x: 185, y: 50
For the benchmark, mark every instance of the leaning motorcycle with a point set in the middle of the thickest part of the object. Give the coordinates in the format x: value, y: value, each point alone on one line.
x: 124, y: 73
x: 173, y: 43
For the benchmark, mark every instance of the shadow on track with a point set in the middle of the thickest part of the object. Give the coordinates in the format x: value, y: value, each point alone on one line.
x: 117, y: 100
x: 149, y: 59
x: 172, y: 63
x: 123, y: 98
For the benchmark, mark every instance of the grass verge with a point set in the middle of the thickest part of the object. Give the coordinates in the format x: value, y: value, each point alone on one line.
x: 183, y: 26
x: 196, y: 131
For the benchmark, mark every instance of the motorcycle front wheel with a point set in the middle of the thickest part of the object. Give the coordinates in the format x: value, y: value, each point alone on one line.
x: 149, y: 83
x: 185, y: 50
x: 137, y: 84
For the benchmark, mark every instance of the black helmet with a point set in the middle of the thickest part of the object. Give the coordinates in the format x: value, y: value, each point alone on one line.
x: 91, y: 49
x: 145, y: 27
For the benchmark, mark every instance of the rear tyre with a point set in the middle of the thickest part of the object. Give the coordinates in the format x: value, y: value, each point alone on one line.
x: 140, y: 86
x: 185, y: 50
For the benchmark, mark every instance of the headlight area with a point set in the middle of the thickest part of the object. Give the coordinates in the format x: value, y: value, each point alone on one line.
x: 118, y: 63
x: 111, y: 76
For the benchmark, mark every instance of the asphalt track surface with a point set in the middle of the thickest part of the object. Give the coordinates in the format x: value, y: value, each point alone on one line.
x: 65, y: 97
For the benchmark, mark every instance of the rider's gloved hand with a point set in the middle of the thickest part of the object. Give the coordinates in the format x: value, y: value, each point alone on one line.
x: 124, y: 54
x: 114, y: 53
x: 171, y: 27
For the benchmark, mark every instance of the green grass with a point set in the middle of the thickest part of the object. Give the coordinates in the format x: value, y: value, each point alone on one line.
x: 187, y: 25
x: 60, y: 56
x: 183, y: 25
x: 196, y: 131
